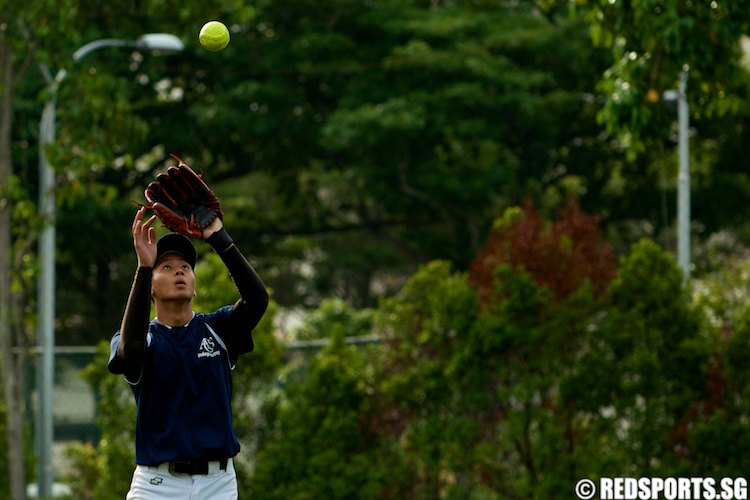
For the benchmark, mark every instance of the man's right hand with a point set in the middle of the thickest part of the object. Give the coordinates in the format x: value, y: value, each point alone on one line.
x: 144, y: 239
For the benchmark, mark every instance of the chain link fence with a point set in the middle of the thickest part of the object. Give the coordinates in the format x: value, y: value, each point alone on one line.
x: 74, y: 400
x: 74, y: 408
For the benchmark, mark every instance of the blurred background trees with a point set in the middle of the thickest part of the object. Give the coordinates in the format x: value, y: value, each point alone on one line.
x: 405, y: 127
x: 488, y: 186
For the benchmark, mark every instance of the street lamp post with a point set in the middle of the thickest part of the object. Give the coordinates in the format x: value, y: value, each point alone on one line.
x: 683, y: 180
x: 46, y: 280
x: 683, y: 177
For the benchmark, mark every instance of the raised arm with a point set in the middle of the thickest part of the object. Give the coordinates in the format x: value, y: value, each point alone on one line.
x: 135, y: 320
x: 252, y: 305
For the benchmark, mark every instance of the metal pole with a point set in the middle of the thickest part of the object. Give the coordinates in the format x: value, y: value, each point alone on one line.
x: 46, y: 298
x: 46, y: 280
x: 683, y: 180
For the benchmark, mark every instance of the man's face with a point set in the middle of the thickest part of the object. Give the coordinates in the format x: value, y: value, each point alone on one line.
x: 173, y: 279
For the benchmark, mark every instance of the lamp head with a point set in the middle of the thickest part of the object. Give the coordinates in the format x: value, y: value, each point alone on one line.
x: 160, y: 41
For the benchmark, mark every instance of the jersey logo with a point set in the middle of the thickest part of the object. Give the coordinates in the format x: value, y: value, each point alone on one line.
x: 208, y: 348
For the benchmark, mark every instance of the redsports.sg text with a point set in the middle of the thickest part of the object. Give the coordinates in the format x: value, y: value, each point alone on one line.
x: 671, y: 488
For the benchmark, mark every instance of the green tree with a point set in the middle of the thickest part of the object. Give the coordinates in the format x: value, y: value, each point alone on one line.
x: 320, y: 438
x: 414, y: 126
x: 651, y: 43
x: 24, y: 29
x: 397, y: 137
x: 351, y: 141
x: 100, y: 469
x: 478, y: 392
x: 424, y: 330
x: 523, y: 396
x: 325, y: 404
x: 334, y: 318
x: 656, y: 360
x: 717, y: 430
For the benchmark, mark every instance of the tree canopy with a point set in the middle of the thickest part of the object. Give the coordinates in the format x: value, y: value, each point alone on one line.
x: 405, y: 127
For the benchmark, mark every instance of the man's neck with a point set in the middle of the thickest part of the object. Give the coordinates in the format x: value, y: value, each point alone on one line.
x: 174, y: 314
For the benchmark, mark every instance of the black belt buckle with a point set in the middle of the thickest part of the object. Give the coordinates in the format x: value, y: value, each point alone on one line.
x: 193, y: 466
x: 188, y: 467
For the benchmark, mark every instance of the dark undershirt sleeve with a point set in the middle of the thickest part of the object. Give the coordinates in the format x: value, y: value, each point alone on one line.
x: 134, y: 326
x: 248, y: 311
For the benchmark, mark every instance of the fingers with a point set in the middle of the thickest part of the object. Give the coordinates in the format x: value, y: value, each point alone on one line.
x: 138, y: 217
x: 144, y: 237
x: 141, y: 228
x: 149, y: 232
x: 149, y: 222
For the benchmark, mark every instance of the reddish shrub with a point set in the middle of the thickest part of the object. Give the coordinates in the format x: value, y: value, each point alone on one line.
x: 561, y: 254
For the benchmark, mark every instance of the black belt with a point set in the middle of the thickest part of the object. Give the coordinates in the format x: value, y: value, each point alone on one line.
x: 194, y: 466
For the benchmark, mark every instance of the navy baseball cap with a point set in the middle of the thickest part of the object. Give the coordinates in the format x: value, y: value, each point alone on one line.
x: 176, y: 243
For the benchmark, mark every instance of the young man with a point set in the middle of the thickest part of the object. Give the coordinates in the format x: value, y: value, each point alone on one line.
x: 179, y: 365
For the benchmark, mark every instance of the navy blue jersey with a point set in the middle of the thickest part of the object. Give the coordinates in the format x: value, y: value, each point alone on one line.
x: 184, y: 391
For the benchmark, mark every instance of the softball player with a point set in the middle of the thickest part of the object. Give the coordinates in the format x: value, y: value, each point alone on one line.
x: 179, y: 365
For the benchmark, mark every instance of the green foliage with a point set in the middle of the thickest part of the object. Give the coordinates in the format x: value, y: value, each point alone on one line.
x: 333, y: 319
x: 36, y: 27
x: 105, y: 467
x: 555, y: 380
x: 401, y: 126
x: 213, y: 283
x: 385, y: 124
x: 721, y: 431
x: 516, y: 399
x: 252, y: 379
x: 424, y: 328
x: 722, y: 295
x: 477, y: 393
x: 661, y: 368
x: 651, y: 42
x: 421, y: 327
x: 5, y: 484
x: 321, y: 440
x: 28, y: 452
x: 351, y: 142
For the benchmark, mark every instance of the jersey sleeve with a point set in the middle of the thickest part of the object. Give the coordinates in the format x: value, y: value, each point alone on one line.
x: 117, y: 365
x: 237, y: 337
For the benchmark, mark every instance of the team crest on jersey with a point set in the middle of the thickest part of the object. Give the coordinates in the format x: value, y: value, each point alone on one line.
x: 208, y: 348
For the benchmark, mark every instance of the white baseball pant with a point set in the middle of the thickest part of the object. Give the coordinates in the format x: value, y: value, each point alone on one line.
x: 152, y: 483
